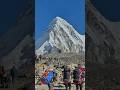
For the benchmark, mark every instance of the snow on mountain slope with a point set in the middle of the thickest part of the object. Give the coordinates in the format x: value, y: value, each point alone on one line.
x: 60, y: 37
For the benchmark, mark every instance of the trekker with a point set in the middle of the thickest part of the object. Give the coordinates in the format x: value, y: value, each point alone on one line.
x: 47, y: 78
x: 13, y: 72
x: 50, y: 78
x: 2, y: 72
x: 67, y: 77
x: 79, y: 76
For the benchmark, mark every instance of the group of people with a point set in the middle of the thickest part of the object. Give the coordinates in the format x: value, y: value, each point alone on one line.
x: 68, y: 75
x: 77, y: 75
x: 7, y: 77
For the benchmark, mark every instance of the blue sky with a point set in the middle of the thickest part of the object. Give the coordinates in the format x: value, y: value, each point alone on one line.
x: 108, y: 8
x: 10, y: 9
x: 72, y: 11
x: 46, y: 11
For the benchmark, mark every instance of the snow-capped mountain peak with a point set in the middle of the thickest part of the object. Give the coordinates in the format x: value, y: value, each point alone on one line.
x: 61, y: 37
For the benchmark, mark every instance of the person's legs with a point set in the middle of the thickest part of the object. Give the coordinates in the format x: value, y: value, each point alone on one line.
x: 80, y: 86
x: 2, y: 82
x: 12, y: 79
x: 66, y: 86
x: 77, y: 87
x: 49, y: 86
x: 69, y: 85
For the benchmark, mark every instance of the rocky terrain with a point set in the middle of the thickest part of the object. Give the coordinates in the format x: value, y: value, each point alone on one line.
x: 71, y: 59
x: 102, y: 37
x: 102, y: 51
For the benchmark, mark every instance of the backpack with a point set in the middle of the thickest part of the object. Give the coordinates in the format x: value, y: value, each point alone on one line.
x: 66, y: 74
x: 76, y: 74
x: 83, y: 75
x: 82, y: 72
x: 48, y: 78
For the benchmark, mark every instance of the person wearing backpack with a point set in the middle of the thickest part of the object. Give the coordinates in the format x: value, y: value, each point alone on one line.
x: 67, y: 77
x: 47, y: 78
x: 78, y: 76
x: 50, y: 77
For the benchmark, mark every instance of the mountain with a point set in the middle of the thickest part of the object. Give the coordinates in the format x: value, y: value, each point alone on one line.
x: 17, y: 43
x: 102, y: 37
x: 102, y: 54
x: 60, y: 37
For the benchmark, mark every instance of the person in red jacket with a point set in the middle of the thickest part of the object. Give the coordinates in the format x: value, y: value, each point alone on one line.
x: 79, y: 76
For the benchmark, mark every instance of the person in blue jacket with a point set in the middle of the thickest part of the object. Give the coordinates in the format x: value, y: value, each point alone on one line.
x: 49, y: 79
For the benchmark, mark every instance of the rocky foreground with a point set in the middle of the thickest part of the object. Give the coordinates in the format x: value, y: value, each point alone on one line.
x: 56, y: 60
